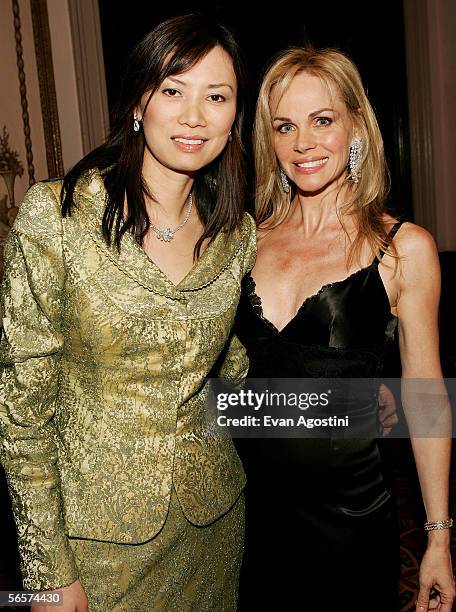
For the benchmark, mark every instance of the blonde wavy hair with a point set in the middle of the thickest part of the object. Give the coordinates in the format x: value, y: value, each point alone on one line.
x: 365, y: 199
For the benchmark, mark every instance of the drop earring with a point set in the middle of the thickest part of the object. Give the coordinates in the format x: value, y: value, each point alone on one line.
x: 136, y: 124
x: 230, y: 137
x: 354, y: 159
x: 284, y: 181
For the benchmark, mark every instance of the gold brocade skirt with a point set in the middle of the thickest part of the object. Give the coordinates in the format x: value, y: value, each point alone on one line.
x: 183, y: 568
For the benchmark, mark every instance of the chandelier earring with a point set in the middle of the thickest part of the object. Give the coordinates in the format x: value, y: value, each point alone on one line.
x: 136, y: 124
x: 355, y: 158
x: 284, y: 181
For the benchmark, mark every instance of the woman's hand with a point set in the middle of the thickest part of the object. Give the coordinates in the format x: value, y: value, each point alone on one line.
x: 74, y: 599
x: 436, y: 573
x: 387, y: 414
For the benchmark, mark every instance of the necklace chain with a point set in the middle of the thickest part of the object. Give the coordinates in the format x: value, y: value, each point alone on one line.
x: 167, y: 234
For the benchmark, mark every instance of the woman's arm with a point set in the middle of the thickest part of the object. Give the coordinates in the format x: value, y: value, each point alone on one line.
x: 29, y: 357
x: 235, y: 363
x: 424, y: 398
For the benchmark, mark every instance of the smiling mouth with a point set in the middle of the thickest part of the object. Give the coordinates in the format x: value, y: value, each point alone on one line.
x: 313, y: 164
x: 188, y: 141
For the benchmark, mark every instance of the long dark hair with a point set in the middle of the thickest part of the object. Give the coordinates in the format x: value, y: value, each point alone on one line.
x: 172, y: 47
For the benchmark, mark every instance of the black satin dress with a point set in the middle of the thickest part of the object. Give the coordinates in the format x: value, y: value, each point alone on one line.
x: 321, y: 531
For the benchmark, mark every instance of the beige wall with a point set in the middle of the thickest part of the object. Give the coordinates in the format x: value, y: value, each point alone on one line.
x: 74, y: 29
x: 10, y: 100
x: 65, y: 82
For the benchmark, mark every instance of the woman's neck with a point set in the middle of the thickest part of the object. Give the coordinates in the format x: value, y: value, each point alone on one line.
x: 314, y: 212
x: 169, y: 191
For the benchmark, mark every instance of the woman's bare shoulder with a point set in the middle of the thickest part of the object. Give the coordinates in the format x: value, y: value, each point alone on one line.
x: 418, y: 255
x: 414, y: 241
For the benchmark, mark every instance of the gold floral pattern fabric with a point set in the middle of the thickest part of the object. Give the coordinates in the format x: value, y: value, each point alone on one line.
x: 183, y: 569
x: 102, y: 395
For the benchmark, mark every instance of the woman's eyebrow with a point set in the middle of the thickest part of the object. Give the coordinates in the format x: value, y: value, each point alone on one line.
x: 311, y: 115
x: 176, y: 81
x: 215, y: 85
x: 210, y: 86
x: 321, y: 111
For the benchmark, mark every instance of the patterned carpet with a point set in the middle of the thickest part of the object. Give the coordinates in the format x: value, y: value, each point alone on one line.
x: 411, y: 519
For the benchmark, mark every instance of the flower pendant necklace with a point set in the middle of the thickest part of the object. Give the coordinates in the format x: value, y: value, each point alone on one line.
x: 167, y: 234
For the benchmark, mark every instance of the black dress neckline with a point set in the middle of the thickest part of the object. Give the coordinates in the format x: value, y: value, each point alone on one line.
x: 257, y: 306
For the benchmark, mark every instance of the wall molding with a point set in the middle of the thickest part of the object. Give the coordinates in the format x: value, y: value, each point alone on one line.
x: 48, y: 97
x: 23, y: 90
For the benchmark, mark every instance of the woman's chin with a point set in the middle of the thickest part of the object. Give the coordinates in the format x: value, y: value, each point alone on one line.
x: 315, y: 186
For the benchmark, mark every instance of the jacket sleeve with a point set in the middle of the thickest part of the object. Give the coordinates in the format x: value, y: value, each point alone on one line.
x: 30, y: 349
x: 236, y: 363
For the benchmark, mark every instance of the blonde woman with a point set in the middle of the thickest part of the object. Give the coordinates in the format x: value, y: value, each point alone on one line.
x: 334, y: 279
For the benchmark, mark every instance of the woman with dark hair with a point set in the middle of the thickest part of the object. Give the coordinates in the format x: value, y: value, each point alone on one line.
x: 120, y: 291
x: 334, y: 277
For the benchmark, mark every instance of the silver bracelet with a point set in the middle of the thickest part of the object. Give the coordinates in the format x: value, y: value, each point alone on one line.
x: 431, y: 525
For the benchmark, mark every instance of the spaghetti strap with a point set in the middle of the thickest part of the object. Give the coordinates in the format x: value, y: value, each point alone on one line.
x: 393, y: 231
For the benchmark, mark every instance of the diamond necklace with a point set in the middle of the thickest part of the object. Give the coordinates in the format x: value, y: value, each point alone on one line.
x: 167, y: 234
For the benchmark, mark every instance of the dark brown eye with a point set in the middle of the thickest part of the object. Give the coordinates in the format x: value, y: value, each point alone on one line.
x: 217, y: 98
x: 169, y: 91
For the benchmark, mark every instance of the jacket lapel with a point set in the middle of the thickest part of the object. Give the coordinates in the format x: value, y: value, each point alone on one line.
x: 90, y: 200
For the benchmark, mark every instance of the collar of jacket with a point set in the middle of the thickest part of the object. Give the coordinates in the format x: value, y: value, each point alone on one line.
x: 90, y: 198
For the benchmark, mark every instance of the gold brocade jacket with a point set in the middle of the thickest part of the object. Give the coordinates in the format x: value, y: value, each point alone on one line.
x: 102, y: 395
